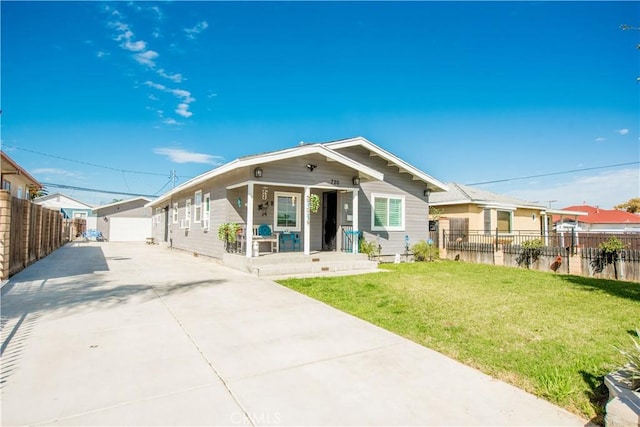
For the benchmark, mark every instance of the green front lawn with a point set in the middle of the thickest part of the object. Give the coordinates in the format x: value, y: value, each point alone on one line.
x: 552, y: 335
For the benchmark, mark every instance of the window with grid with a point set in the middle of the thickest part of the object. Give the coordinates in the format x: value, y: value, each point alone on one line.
x: 388, y: 213
x: 287, y: 209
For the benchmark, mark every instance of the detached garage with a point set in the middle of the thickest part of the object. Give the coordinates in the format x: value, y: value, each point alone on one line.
x: 125, y: 220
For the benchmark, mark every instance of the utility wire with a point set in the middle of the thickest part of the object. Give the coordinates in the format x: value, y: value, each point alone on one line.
x: 88, y: 163
x: 71, y: 187
x: 554, y: 173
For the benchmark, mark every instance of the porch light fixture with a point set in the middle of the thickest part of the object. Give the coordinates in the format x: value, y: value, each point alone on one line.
x: 426, y: 193
x: 311, y: 167
x: 257, y: 172
x: 356, y: 180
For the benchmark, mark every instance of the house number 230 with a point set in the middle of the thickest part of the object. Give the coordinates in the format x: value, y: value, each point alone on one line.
x: 335, y: 182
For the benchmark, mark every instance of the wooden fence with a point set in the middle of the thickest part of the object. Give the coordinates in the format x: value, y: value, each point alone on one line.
x: 28, y: 232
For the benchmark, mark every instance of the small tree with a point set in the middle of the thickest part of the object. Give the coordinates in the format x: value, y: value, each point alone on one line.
x: 631, y: 205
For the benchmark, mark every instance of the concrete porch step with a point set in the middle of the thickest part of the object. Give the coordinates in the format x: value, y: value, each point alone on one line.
x: 315, y: 269
x: 290, y: 264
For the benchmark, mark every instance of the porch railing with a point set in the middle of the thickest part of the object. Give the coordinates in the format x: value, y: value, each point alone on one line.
x: 348, y: 235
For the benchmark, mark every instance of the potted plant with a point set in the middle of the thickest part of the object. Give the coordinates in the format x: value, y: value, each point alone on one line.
x: 228, y: 233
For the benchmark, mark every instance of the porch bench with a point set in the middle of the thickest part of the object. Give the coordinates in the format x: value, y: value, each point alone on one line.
x: 273, y: 240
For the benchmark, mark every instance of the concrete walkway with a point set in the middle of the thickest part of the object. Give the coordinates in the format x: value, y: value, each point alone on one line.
x: 132, y: 334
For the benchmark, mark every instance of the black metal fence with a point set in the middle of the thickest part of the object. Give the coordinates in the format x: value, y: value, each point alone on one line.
x: 548, y: 251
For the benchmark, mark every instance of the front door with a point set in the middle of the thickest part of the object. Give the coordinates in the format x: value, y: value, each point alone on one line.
x: 329, y: 220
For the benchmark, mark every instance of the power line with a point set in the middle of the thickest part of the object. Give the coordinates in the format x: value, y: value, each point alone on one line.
x: 88, y: 163
x: 554, y: 173
x: 93, y: 190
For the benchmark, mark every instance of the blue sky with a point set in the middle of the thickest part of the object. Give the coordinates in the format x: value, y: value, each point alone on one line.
x: 466, y: 91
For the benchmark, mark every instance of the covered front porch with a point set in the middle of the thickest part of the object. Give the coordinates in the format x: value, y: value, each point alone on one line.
x: 276, y: 217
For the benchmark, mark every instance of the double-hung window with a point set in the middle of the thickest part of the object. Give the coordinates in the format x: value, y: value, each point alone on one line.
x: 504, y: 221
x: 175, y: 213
x: 388, y: 213
x: 287, y: 210
x: 206, y: 213
x: 187, y: 214
x: 197, y: 206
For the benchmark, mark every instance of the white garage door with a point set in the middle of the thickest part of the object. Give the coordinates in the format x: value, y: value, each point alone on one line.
x: 129, y: 229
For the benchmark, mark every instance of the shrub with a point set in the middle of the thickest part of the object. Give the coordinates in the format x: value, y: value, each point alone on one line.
x: 423, y: 251
x: 531, y: 250
x: 369, y: 247
x: 632, y: 369
x: 609, y: 253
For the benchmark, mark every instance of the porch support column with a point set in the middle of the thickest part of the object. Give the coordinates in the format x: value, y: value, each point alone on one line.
x: 248, y: 232
x: 354, y: 204
x: 307, y: 221
x: 545, y: 228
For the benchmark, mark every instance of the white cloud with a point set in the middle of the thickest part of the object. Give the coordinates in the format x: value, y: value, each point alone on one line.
x: 185, y: 95
x: 54, y: 171
x: 623, y: 131
x: 146, y: 58
x: 155, y: 85
x: 182, y: 156
x: 170, y: 121
x: 600, y: 139
x: 153, y: 97
x: 605, y: 189
x: 177, y: 77
x: 134, y: 46
x: 196, y: 29
x: 183, y: 110
x: 102, y: 54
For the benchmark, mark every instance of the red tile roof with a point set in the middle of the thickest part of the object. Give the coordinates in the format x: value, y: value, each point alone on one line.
x: 597, y: 215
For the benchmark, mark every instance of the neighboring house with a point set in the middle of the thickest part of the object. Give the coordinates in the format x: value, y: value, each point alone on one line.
x: 125, y: 221
x: 70, y: 208
x: 484, y: 211
x: 598, y: 220
x: 15, y: 179
x: 361, y: 188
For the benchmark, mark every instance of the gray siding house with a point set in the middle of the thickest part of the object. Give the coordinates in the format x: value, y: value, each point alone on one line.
x: 363, y: 190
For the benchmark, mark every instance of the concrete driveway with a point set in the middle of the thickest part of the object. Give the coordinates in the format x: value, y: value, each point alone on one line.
x: 132, y: 334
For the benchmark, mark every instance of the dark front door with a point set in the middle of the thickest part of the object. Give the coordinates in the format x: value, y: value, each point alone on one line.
x: 329, y: 220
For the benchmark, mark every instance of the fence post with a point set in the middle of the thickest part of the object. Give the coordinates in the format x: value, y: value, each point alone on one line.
x: 573, y: 241
x: 5, y: 233
x: 443, y: 224
x: 497, y: 239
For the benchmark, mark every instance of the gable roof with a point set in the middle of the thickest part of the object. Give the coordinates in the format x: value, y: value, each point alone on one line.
x: 273, y: 156
x: 55, y: 198
x: 392, y: 160
x: 464, y: 194
x: 596, y: 215
x: 8, y: 166
x: 120, y: 202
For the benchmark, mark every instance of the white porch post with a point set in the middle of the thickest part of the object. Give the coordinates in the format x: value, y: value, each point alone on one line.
x: 307, y: 221
x: 248, y: 238
x: 354, y: 203
x: 545, y: 228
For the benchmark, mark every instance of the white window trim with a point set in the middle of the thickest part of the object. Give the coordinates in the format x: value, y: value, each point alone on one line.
x: 197, y: 207
x: 175, y: 213
x: 373, y: 207
x: 298, y: 197
x: 206, y: 211
x: 510, y: 212
x: 187, y: 213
